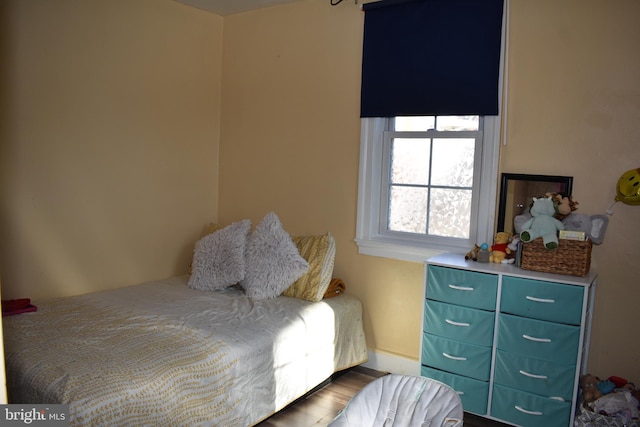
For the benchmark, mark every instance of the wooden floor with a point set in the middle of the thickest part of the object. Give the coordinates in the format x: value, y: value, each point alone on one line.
x: 320, y: 407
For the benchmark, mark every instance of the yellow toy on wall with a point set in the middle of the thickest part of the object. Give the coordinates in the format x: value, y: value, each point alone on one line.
x: 628, y: 188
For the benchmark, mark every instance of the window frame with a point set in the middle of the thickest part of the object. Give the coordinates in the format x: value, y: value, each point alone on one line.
x: 405, y: 246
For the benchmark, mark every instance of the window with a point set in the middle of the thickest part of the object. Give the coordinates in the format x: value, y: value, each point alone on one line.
x: 427, y: 185
x: 429, y: 107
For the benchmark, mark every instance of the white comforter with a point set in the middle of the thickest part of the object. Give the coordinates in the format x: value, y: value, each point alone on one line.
x: 160, y: 353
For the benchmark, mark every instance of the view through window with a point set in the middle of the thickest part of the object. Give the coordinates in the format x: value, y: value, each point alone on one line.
x: 431, y: 174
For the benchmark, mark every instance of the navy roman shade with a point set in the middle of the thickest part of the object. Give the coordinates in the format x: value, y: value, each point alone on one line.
x: 431, y: 57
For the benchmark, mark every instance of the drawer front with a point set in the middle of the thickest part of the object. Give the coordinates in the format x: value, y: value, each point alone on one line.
x: 534, y: 375
x: 459, y: 323
x: 528, y: 410
x: 457, y: 357
x: 554, y: 302
x: 474, y: 394
x: 553, y: 342
x: 462, y: 287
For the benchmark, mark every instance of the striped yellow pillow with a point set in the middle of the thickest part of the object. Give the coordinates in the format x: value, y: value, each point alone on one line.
x: 320, y: 253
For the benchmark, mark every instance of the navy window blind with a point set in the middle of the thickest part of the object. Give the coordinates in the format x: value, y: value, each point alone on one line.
x: 431, y: 57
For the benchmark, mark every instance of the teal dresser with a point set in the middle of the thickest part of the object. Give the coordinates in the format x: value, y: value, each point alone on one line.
x: 513, y: 343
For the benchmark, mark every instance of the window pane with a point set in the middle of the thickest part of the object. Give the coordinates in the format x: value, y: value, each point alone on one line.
x: 410, y: 161
x: 414, y: 124
x: 408, y: 209
x: 440, y: 123
x: 457, y: 123
x: 450, y: 213
x: 453, y: 162
x: 380, y: 211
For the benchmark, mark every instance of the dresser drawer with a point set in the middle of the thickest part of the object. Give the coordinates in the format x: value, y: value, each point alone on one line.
x: 462, y: 287
x: 542, y: 300
x: 528, y: 410
x: 474, y: 394
x: 534, y: 375
x: 457, y: 357
x: 554, y: 342
x: 459, y: 323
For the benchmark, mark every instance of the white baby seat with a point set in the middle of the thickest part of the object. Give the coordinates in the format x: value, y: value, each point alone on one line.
x: 402, y: 401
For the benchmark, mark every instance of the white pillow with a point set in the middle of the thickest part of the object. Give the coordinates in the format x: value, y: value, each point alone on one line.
x: 219, y: 259
x: 273, y: 260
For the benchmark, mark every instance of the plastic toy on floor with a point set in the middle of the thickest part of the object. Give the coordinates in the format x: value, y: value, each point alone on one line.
x: 610, y: 402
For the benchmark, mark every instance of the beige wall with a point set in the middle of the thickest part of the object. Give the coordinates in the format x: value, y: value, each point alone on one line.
x: 109, y: 141
x: 574, y: 109
x: 290, y: 143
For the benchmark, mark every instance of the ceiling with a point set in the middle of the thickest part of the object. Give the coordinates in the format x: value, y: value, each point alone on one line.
x: 229, y: 7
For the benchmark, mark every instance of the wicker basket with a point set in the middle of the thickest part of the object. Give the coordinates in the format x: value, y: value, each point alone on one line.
x: 572, y: 257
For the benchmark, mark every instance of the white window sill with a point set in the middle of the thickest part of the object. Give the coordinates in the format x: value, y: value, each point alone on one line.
x: 400, y: 251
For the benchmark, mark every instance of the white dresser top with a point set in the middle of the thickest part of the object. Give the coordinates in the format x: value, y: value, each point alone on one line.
x: 458, y: 261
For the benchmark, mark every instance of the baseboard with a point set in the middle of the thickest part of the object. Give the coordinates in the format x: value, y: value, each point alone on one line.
x: 394, y: 364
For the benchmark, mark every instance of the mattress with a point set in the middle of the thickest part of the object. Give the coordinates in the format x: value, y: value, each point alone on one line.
x: 162, y: 354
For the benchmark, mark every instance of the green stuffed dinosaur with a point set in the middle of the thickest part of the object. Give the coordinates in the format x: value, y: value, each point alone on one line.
x: 542, y: 223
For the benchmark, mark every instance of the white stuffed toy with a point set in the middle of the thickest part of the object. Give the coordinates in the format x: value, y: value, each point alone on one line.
x: 617, y: 405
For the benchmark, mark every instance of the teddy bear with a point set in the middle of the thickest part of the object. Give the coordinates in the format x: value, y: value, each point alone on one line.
x: 500, y: 249
x: 542, y: 223
x: 590, y: 390
x: 564, y: 205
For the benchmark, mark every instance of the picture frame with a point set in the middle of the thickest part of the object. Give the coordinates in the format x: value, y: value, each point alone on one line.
x: 517, y: 191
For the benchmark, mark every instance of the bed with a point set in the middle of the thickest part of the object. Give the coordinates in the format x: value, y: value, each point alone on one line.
x: 248, y: 331
x: 161, y: 353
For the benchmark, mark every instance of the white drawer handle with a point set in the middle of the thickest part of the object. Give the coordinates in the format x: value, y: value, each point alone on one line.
x: 530, y: 338
x: 539, y: 377
x: 461, y: 288
x: 528, y: 412
x: 448, y: 356
x: 460, y: 393
x: 451, y: 322
x: 547, y: 301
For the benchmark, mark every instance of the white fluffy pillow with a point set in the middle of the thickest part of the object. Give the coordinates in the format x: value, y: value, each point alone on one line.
x: 273, y: 260
x: 219, y: 258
